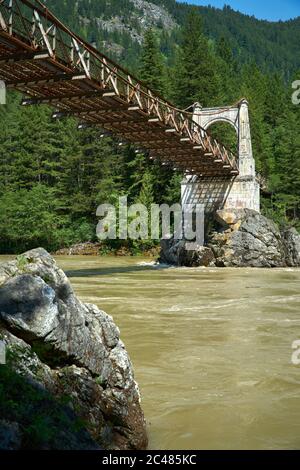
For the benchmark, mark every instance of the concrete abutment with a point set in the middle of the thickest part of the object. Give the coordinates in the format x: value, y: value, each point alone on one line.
x: 242, y: 192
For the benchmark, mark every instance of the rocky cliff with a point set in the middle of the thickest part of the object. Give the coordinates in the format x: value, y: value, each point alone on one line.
x: 143, y: 15
x: 68, y: 382
x: 243, y: 238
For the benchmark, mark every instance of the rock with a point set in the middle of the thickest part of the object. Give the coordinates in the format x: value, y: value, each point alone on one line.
x: 77, y: 346
x: 227, y: 217
x: 170, y: 251
x: 32, y: 417
x: 244, y: 238
x: 10, y: 435
x: 145, y: 14
x: 202, y: 256
x: 255, y: 241
x: 292, y: 244
x: 176, y: 252
x: 95, y: 249
x: 80, y: 249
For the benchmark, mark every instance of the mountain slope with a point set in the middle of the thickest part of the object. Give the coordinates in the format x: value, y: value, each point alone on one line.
x: 117, y: 27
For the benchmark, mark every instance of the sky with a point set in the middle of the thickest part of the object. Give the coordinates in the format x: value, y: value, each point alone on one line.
x: 272, y: 10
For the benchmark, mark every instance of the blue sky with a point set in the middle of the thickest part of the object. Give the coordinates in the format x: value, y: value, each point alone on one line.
x: 272, y: 10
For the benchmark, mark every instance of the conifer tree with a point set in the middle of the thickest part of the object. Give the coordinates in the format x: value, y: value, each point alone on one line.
x: 195, y: 75
x: 152, y: 68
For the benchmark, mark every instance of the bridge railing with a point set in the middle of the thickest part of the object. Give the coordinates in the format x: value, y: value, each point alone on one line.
x: 31, y: 22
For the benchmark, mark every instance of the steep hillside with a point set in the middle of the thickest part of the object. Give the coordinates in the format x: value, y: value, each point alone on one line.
x: 52, y: 178
x: 273, y: 45
x: 117, y: 26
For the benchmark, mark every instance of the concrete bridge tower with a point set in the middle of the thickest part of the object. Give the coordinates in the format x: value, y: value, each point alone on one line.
x: 220, y: 193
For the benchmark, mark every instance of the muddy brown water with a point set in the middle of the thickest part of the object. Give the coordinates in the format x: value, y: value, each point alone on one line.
x: 211, y: 348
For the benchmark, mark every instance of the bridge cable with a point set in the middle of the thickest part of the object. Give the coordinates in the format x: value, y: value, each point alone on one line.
x: 95, y: 52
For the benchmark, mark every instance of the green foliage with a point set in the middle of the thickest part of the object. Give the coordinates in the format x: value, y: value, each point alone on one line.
x: 100, y: 381
x: 152, y: 69
x: 274, y: 45
x: 28, y: 219
x: 195, y: 75
x: 21, y: 262
x: 53, y: 178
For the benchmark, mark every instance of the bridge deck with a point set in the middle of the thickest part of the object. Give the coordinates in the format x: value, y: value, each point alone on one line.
x: 51, y: 65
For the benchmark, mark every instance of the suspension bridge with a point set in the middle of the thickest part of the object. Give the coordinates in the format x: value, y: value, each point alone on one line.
x: 49, y: 64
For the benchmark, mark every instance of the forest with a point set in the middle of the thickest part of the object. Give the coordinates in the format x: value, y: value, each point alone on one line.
x: 54, y: 176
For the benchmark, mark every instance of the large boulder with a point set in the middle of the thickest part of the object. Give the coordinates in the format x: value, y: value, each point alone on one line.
x: 242, y: 238
x: 77, y: 346
x: 32, y: 416
x: 292, y: 245
x: 178, y: 252
x: 247, y: 239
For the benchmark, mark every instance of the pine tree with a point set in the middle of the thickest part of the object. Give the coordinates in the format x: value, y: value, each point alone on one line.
x: 53, y: 178
x: 146, y: 195
x: 254, y: 87
x: 228, y: 71
x: 152, y: 68
x: 195, y: 77
x: 286, y: 177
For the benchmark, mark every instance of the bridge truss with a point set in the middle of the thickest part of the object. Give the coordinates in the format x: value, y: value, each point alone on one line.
x: 43, y: 59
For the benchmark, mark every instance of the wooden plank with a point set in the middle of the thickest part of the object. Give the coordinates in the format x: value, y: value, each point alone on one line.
x: 26, y: 68
x: 48, y: 79
x: 24, y: 57
x: 55, y: 99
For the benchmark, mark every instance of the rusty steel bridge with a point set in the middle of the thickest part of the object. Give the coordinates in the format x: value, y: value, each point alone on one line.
x: 49, y: 64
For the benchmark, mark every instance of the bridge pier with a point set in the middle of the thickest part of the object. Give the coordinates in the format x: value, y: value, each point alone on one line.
x: 242, y: 192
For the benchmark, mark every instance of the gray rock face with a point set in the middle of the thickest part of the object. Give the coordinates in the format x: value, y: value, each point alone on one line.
x: 253, y: 240
x: 10, y: 436
x: 175, y: 252
x: 245, y: 239
x: 148, y: 15
x: 292, y: 245
x: 32, y: 416
x: 78, y: 345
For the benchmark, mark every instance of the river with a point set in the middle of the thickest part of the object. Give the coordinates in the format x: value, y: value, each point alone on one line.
x: 211, y: 348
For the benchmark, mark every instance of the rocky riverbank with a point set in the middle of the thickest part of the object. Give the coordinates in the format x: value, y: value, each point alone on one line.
x: 80, y: 249
x: 98, y: 249
x: 241, y: 238
x: 68, y: 382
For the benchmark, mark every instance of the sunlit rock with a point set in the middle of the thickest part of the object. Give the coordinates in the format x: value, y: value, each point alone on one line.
x: 77, y: 346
